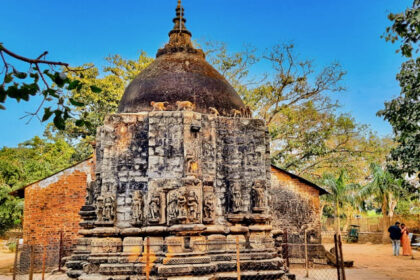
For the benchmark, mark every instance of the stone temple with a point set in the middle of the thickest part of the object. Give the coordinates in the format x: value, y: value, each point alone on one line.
x: 184, y: 168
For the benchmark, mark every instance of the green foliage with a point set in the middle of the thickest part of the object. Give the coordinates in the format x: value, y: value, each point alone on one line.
x: 403, y: 113
x: 308, y: 136
x: 10, y: 209
x: 30, y: 161
x: 48, y: 79
x: 384, y: 188
x: 97, y: 103
x: 405, y: 28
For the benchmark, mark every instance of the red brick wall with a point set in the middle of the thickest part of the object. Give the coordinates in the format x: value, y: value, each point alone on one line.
x: 53, y: 204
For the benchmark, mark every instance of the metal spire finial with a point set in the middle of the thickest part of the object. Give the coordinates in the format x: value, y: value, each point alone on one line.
x: 179, y: 21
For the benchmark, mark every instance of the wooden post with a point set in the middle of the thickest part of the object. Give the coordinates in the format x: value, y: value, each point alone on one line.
x: 60, y: 251
x: 337, y: 261
x: 44, y: 256
x: 148, y: 258
x: 343, y: 275
x: 238, y: 263
x: 286, y: 249
x: 16, y: 259
x: 306, y: 256
x: 31, y: 265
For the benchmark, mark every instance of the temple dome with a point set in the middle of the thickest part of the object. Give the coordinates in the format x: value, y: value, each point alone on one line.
x: 180, y: 73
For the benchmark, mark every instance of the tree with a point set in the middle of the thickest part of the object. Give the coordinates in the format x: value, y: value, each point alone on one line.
x: 30, y: 161
x: 405, y: 28
x: 112, y: 80
x: 46, y: 78
x: 11, y: 209
x: 341, y: 194
x: 403, y: 112
x: 386, y: 190
x: 308, y: 136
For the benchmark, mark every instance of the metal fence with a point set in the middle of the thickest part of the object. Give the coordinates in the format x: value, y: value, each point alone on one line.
x: 311, y: 260
x: 38, y: 259
x: 231, y: 259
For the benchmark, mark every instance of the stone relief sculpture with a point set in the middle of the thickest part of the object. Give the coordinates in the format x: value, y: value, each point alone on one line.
x: 258, y: 197
x: 208, y: 208
x: 109, y: 209
x: 181, y: 205
x: 236, y: 198
x: 154, y: 209
x: 192, y: 206
x: 105, y: 208
x: 137, y: 208
x: 172, y: 207
x: 100, y: 208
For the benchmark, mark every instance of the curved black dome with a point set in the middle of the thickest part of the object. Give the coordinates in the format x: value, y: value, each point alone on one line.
x: 180, y: 73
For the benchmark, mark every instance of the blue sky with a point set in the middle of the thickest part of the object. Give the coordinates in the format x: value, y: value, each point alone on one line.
x: 80, y: 31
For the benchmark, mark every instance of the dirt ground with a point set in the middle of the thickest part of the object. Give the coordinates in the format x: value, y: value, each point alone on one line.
x: 6, y: 262
x: 379, y: 258
x: 371, y: 261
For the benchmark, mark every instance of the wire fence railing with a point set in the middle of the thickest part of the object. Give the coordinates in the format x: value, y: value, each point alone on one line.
x: 237, y: 258
x: 39, y: 259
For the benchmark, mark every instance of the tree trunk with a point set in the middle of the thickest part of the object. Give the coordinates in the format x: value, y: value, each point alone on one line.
x: 337, y: 218
x: 386, y: 222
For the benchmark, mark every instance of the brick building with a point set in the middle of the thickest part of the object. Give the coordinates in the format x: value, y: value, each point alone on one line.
x: 295, y: 204
x: 52, y: 204
x: 51, y: 209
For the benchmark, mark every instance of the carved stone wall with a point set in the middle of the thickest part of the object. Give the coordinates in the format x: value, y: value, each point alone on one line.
x: 181, y: 167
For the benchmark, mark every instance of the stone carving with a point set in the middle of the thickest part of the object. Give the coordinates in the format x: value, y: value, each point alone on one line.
x: 208, y: 208
x: 154, y: 209
x: 258, y: 197
x: 100, y: 208
x: 105, y: 208
x: 109, y: 209
x: 173, y: 207
x: 236, y: 198
x: 137, y: 208
x: 192, y: 206
x: 181, y: 207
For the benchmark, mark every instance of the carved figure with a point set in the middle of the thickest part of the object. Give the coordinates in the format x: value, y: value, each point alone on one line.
x: 214, y: 111
x: 100, y: 208
x: 154, y: 209
x: 184, y: 105
x: 182, y: 206
x: 137, y: 208
x: 257, y: 197
x: 236, y: 198
x: 159, y: 106
x: 172, y: 206
x: 109, y: 209
x: 235, y: 113
x: 208, y: 207
x: 192, y: 206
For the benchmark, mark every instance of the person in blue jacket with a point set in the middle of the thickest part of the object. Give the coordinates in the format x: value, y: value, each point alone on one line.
x: 395, y: 235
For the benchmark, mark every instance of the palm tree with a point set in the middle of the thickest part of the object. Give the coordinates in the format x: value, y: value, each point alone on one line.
x: 340, y: 194
x: 385, y: 189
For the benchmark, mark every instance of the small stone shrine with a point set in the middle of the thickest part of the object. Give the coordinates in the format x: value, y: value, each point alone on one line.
x: 183, y: 167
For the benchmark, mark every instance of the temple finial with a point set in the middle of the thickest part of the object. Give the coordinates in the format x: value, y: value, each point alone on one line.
x: 179, y: 21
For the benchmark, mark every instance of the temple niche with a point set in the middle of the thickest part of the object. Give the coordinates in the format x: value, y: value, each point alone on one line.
x: 179, y: 164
